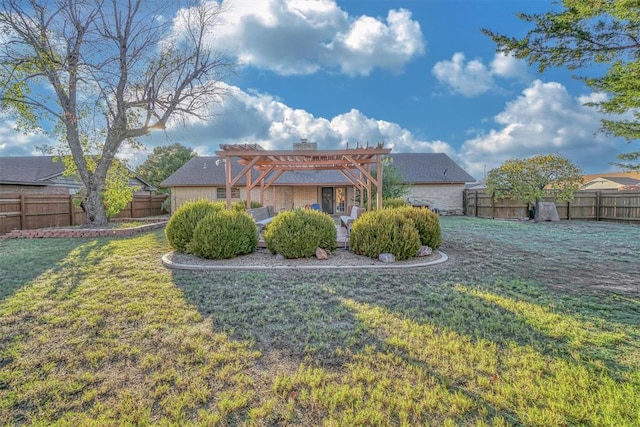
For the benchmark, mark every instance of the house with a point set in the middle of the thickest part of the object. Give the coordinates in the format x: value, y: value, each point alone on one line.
x: 44, y: 175
x: 611, y: 181
x: 436, y: 181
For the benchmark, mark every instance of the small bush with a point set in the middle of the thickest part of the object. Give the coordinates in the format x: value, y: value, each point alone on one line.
x: 183, y: 222
x: 394, y: 203
x: 224, y: 234
x: 384, y: 231
x: 242, y: 206
x: 427, y: 223
x: 297, y: 233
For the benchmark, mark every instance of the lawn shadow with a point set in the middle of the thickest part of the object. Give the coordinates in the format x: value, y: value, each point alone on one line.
x: 294, y: 315
x: 23, y: 260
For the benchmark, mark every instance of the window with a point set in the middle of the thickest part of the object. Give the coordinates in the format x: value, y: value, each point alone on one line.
x: 221, y: 193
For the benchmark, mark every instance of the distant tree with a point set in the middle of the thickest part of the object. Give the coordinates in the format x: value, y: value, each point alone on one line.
x: 529, y: 180
x: 393, y: 184
x: 583, y: 33
x: 96, y: 74
x: 117, y: 189
x: 164, y: 161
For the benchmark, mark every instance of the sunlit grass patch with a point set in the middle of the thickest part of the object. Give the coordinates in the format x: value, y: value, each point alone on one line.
x: 108, y: 339
x: 537, y: 389
x: 378, y: 388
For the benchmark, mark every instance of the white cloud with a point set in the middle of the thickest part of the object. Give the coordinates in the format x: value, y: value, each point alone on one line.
x: 473, y: 78
x: 301, y: 37
x: 508, y: 66
x: 544, y: 119
x: 263, y: 119
x: 13, y: 143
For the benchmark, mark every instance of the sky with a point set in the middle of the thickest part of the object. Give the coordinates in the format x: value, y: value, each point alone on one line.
x: 417, y: 75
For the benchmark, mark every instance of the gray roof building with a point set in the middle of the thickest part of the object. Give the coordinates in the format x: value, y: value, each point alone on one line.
x: 415, y: 168
x: 43, y: 171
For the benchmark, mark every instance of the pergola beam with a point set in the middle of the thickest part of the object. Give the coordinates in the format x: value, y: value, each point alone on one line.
x: 354, y: 164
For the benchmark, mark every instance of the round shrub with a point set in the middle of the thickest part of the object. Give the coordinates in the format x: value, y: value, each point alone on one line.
x: 384, y: 231
x: 394, y: 203
x: 179, y: 229
x: 427, y: 223
x: 224, y: 234
x: 298, y: 233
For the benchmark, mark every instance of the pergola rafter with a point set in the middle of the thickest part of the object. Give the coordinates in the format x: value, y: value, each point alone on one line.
x: 355, y: 164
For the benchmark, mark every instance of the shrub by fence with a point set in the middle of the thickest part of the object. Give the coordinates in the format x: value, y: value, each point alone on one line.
x: 622, y: 206
x: 30, y: 211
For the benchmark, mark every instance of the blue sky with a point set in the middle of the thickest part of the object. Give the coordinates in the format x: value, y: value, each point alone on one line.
x: 417, y: 75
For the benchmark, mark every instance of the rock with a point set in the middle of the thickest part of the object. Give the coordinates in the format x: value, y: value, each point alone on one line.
x: 279, y: 257
x: 424, y: 251
x: 387, y: 258
x: 546, y: 211
x: 321, y: 254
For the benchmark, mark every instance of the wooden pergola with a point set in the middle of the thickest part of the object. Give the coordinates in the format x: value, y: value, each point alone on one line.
x: 355, y: 164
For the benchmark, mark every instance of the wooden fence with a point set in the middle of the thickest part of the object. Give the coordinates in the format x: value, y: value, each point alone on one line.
x: 622, y: 206
x: 29, y: 211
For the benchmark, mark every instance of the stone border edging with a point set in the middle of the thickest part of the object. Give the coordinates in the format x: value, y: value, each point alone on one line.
x: 44, y: 233
x: 176, y: 266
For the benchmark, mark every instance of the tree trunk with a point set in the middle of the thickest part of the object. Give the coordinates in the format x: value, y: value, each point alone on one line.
x: 94, y: 209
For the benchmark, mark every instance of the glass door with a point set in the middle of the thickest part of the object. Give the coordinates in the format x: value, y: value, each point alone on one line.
x: 341, y: 200
x: 327, y: 200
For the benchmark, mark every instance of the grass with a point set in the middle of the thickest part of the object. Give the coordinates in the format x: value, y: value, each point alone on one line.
x: 526, y: 324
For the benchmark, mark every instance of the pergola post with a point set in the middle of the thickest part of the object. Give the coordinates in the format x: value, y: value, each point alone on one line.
x: 355, y: 164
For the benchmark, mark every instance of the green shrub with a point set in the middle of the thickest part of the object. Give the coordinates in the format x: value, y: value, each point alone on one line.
x: 394, y: 203
x: 224, y: 234
x: 427, y: 223
x: 297, y: 233
x: 242, y: 206
x: 384, y: 231
x: 183, y: 222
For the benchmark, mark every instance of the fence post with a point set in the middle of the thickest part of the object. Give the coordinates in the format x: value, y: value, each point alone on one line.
x: 568, y: 210
x: 23, y: 214
x: 476, y: 206
x: 133, y: 200
x: 71, y: 210
x: 597, y: 206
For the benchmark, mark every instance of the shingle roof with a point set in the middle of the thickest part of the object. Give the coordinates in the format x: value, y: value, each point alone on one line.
x: 29, y: 169
x: 624, y: 181
x: 35, y: 170
x: 429, y: 168
x: 416, y: 168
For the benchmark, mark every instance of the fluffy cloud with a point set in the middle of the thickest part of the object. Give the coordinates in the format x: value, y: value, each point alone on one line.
x: 263, y: 119
x: 544, y: 119
x: 14, y: 143
x: 301, y: 37
x: 473, y: 78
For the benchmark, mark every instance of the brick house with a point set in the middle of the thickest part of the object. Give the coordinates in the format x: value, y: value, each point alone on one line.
x: 436, y: 181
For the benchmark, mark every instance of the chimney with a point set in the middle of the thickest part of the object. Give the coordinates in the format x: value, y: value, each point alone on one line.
x: 304, y: 144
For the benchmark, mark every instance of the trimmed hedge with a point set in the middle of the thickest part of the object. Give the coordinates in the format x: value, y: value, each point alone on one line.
x: 224, y: 234
x: 427, y: 223
x: 298, y: 233
x: 183, y: 222
x: 384, y: 231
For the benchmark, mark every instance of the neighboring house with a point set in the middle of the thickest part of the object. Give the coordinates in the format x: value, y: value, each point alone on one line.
x: 43, y: 175
x: 610, y: 183
x: 437, y: 182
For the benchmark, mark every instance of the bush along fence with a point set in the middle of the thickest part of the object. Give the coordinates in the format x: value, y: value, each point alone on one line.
x: 31, y: 211
x: 620, y: 206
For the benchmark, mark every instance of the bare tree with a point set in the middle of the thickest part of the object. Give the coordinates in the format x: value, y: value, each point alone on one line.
x: 98, y: 73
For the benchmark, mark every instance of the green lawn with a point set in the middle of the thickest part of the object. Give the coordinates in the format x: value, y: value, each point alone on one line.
x: 526, y: 324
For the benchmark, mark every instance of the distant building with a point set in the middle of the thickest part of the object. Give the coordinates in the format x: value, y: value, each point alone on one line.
x: 611, y: 181
x: 43, y: 175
